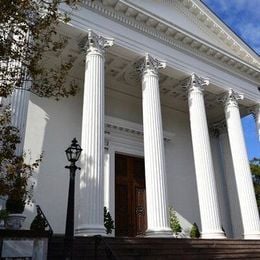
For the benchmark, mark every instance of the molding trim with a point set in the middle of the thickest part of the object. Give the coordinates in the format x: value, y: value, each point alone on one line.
x: 115, y: 126
x: 134, y: 17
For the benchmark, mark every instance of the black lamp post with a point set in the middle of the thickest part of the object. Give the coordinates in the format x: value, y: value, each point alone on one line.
x: 73, y: 154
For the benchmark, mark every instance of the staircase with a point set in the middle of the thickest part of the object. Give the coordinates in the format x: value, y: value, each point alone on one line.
x: 153, y: 248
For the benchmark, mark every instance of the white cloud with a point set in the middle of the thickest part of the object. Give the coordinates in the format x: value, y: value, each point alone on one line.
x: 242, y: 16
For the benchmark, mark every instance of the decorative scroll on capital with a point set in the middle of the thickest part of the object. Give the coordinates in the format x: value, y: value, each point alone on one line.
x: 231, y: 98
x: 194, y: 82
x: 95, y: 42
x: 149, y: 64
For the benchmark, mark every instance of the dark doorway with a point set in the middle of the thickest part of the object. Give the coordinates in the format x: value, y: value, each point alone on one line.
x: 130, y: 202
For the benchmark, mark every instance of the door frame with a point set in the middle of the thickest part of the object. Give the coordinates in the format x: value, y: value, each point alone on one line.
x: 124, y: 142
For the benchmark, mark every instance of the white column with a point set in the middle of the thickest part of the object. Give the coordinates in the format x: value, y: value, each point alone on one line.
x: 155, y: 174
x: 19, y: 108
x: 246, y: 194
x: 256, y: 114
x: 91, y: 204
x: 206, y: 184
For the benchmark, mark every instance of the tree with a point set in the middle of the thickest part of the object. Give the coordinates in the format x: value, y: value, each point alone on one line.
x: 255, y: 170
x: 14, y: 172
x: 28, y: 36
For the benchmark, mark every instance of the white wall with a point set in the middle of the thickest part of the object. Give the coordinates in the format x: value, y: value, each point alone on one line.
x: 51, y: 126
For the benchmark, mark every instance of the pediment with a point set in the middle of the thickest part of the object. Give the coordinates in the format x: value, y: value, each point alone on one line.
x: 194, y: 18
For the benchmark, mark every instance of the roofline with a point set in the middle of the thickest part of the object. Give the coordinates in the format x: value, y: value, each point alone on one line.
x: 229, y: 27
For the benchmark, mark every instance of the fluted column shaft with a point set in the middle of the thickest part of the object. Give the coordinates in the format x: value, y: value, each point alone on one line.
x: 206, y: 185
x: 19, y: 108
x: 257, y: 120
x: 246, y: 194
x: 91, y: 205
x: 155, y: 174
x: 234, y: 209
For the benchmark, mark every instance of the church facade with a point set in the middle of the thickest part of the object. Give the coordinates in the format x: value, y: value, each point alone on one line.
x: 163, y: 87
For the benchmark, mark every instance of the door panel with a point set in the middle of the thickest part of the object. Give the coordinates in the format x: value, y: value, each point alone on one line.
x: 140, y: 211
x: 130, y: 202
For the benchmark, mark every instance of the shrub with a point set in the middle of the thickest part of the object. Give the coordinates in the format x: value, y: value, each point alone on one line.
x: 108, y: 221
x: 174, y: 221
x: 194, y: 233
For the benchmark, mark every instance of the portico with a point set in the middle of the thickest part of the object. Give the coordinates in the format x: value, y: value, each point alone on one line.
x: 160, y: 90
x: 153, y: 151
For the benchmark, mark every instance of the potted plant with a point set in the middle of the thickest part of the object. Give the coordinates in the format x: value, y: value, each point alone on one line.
x: 14, y: 172
x: 20, y: 191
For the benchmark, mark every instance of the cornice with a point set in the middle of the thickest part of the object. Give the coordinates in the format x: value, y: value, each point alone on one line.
x: 201, y: 13
x: 169, y: 34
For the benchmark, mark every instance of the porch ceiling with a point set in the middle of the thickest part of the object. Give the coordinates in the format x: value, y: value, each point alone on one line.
x: 122, y: 77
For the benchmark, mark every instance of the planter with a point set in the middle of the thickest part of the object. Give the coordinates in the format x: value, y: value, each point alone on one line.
x: 15, y: 221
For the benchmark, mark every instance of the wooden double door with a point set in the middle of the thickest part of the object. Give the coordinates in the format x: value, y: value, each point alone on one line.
x: 130, y: 201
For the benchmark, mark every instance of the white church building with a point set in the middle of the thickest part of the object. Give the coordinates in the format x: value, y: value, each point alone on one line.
x: 163, y: 87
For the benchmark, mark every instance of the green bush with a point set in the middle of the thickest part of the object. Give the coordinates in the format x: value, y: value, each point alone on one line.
x: 194, y: 233
x: 108, y: 221
x: 174, y: 221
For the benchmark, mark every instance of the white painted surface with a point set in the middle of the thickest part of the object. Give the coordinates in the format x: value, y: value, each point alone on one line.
x: 91, y: 204
x: 155, y: 175
x: 224, y: 205
x: 231, y: 197
x: 246, y: 194
x: 257, y: 120
x: 206, y: 185
x: 52, y: 125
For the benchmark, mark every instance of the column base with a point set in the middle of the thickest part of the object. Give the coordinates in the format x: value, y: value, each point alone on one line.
x: 90, y: 230
x: 255, y: 235
x: 213, y: 235
x: 160, y: 232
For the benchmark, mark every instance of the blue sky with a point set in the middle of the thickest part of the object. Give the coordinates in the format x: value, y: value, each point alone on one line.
x: 243, y: 16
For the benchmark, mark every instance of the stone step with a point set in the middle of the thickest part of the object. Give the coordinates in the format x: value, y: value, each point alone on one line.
x: 156, y: 248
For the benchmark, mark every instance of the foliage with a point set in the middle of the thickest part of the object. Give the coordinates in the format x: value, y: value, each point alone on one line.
x: 255, y: 170
x: 108, y: 221
x: 3, y: 214
x: 39, y: 223
x: 174, y: 221
x: 28, y: 35
x: 14, y: 172
x: 194, y: 233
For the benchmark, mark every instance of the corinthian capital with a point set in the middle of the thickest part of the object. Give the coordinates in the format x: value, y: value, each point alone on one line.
x: 255, y: 111
x: 149, y: 64
x: 194, y: 82
x: 95, y: 42
x: 231, y: 98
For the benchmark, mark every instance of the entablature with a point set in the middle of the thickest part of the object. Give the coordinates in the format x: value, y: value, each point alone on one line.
x: 131, y: 16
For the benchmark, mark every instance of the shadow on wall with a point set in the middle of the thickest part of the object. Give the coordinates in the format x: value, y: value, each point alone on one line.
x: 181, y: 179
x: 62, y: 122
